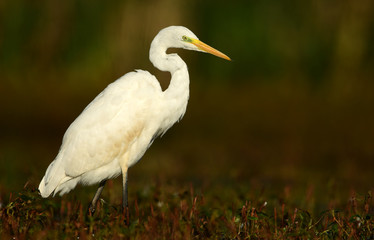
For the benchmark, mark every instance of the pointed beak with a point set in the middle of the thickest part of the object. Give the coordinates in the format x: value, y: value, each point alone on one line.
x: 208, y: 49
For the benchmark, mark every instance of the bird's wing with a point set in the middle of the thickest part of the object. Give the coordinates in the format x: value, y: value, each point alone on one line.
x: 109, y: 123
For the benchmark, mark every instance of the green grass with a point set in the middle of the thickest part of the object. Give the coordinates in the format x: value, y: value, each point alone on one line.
x: 167, y: 211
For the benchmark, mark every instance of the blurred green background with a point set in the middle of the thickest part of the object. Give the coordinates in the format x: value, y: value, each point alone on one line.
x: 293, y: 110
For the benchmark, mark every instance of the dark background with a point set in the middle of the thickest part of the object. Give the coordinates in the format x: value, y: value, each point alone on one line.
x: 293, y: 110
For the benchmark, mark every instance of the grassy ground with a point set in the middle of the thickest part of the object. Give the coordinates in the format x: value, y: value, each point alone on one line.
x: 165, y: 211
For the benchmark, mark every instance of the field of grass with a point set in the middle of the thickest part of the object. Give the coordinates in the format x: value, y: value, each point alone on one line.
x: 164, y: 211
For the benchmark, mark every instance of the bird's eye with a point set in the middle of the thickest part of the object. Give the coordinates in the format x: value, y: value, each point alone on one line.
x: 184, y: 38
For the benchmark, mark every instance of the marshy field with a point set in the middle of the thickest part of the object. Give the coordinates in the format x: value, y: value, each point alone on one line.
x: 277, y: 144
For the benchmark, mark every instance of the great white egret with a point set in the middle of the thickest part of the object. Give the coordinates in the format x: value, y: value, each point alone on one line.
x: 119, y: 125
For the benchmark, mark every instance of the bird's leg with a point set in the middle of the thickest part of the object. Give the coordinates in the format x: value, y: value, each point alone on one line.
x: 92, y: 207
x: 125, y: 205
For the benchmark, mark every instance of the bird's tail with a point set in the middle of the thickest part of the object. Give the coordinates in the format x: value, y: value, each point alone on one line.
x: 54, y: 176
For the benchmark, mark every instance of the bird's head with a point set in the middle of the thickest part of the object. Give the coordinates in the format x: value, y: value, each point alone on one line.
x: 182, y: 37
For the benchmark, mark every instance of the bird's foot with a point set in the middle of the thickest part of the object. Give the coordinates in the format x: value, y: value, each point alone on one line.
x: 91, y: 210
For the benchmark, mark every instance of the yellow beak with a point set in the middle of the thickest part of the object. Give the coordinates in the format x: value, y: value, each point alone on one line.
x: 206, y: 48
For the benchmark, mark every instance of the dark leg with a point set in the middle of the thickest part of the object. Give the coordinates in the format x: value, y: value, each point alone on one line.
x: 125, y: 205
x: 92, y: 207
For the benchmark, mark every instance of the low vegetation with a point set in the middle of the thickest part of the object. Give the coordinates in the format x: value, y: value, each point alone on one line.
x: 166, y: 212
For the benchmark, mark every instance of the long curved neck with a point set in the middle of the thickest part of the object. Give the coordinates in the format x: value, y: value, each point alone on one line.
x: 179, y: 84
x: 177, y: 94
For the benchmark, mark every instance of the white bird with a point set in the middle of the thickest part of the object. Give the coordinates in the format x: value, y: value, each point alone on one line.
x: 119, y: 125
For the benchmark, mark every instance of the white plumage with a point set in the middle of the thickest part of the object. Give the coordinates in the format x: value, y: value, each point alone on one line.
x: 117, y: 127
